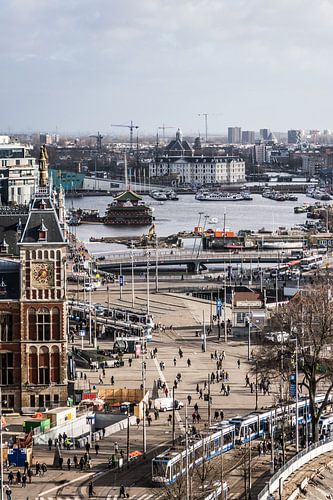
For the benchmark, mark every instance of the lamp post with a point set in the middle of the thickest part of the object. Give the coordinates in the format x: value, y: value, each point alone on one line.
x: 173, y: 417
x: 249, y: 317
x: 148, y: 291
x: 132, y: 269
x: 1, y: 452
x: 144, y: 435
x: 296, y: 384
x: 156, y: 266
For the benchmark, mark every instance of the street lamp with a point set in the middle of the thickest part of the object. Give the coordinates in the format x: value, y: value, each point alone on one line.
x: 249, y: 318
x: 296, y: 384
x: 132, y: 268
x: 148, y: 292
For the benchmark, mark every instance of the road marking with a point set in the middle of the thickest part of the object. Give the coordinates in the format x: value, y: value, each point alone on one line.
x: 162, y: 377
x: 79, y: 478
x: 145, y: 496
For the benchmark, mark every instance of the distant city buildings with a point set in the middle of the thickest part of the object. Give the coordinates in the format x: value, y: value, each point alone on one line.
x: 183, y: 165
x: 294, y: 136
x: 18, y: 172
x: 248, y: 137
x: 234, y: 135
x: 264, y: 133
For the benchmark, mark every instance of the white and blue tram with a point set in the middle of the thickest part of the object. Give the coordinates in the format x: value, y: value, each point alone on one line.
x: 168, y: 466
x: 220, y: 438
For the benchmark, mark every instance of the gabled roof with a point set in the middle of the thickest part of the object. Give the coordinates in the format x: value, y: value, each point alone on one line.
x: 128, y: 196
x: 9, y: 221
x: 35, y: 220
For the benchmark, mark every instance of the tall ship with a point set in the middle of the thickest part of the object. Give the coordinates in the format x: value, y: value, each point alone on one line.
x: 128, y: 209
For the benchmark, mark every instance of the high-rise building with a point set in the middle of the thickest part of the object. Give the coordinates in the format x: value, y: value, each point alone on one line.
x: 248, y: 137
x: 264, y: 133
x: 294, y: 136
x: 234, y: 135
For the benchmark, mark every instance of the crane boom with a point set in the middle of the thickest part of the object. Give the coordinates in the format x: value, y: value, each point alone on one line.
x: 131, y: 127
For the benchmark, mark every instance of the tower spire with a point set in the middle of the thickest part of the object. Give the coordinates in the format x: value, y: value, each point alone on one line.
x: 43, y: 167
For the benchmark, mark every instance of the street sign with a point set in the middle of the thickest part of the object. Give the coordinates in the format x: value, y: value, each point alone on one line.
x: 82, y: 332
x: 121, y: 280
x: 292, y: 385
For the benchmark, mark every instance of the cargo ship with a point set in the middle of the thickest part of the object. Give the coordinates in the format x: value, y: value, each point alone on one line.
x: 128, y: 209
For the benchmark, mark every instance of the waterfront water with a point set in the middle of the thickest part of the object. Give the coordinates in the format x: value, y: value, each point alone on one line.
x: 183, y: 215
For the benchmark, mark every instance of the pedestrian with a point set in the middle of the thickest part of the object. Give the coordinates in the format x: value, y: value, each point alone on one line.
x: 228, y: 390
x: 103, y: 371
x: 221, y: 415
x: 112, y: 380
x: 91, y: 492
x: 50, y: 443
x: 196, y: 407
x: 96, y: 448
x: 149, y: 419
x: 156, y: 414
x: 29, y: 474
x: 251, y: 387
x: 189, y: 399
x: 8, y: 493
x: 87, y: 446
x: 174, y: 362
x: 81, y: 463
x: 169, y: 420
x: 43, y: 468
x: 238, y: 363
x: 130, y: 362
x: 200, y: 394
x: 116, y: 447
x: 61, y: 461
x: 26, y: 466
x: 138, y: 421
x: 18, y: 477
x: 24, y: 480
x: 68, y: 463
x: 122, y: 491
x: 10, y: 478
x: 188, y: 362
x: 75, y: 460
x: 197, y: 389
x: 100, y: 379
x: 38, y: 469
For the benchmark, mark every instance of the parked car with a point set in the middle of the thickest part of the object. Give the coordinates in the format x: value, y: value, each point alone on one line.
x: 89, y: 287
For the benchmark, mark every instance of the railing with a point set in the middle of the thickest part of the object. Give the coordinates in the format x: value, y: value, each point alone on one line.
x: 174, y: 255
x: 294, y: 464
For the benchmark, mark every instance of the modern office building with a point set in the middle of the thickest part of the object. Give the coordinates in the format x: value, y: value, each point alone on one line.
x: 234, y: 135
x: 248, y: 137
x: 264, y: 133
x: 294, y: 136
x: 18, y: 173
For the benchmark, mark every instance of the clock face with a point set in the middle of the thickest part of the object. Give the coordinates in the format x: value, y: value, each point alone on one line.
x: 42, y: 274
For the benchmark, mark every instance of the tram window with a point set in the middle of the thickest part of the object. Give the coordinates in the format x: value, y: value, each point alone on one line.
x: 159, y: 468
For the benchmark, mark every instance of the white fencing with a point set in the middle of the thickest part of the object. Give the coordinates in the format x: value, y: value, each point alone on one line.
x: 294, y: 464
x: 74, y: 429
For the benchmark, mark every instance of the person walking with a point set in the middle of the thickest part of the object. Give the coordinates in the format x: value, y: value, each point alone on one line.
x: 96, y: 448
x: 68, y: 463
x: 91, y: 492
x: 188, y: 362
x: 75, y: 460
x: 112, y: 380
x: 189, y: 399
x: 238, y: 363
x: 8, y: 493
x: 10, y: 478
x: 122, y: 493
x: 61, y: 461
x: 174, y: 362
x: 81, y: 463
x: 149, y: 419
x: 18, y: 477
x: 50, y: 443
x: 29, y: 474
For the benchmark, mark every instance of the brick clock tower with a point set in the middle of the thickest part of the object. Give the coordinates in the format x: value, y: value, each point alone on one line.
x: 43, y: 301
x: 38, y: 338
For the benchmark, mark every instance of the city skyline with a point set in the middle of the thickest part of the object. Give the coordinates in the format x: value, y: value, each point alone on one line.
x: 80, y: 66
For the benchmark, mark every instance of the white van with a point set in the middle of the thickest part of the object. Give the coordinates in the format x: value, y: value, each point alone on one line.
x: 166, y: 404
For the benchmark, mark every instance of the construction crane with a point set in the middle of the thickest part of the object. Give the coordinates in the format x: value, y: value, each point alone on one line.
x: 98, y: 138
x: 164, y: 127
x: 131, y: 127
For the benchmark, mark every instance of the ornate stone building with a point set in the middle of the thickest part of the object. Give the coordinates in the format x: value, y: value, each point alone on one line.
x: 33, y: 314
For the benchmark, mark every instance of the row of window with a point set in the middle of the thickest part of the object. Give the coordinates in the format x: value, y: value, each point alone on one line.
x: 43, y: 254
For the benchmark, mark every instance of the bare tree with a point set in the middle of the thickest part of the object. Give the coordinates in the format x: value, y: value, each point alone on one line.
x: 308, y: 318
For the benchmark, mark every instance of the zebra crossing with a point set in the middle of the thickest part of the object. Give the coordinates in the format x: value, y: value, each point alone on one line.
x: 139, y: 496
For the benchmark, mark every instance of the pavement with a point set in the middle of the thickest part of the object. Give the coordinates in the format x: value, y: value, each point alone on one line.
x: 185, y: 316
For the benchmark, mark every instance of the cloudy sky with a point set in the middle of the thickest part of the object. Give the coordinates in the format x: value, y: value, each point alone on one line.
x: 80, y: 65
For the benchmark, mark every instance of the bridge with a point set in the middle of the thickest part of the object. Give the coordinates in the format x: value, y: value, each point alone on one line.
x: 194, y: 261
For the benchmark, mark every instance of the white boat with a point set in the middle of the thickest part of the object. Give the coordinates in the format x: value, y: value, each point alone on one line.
x: 215, y: 196
x: 158, y: 195
x: 282, y: 245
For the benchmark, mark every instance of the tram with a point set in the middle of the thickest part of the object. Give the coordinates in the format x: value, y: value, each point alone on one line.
x: 168, y: 466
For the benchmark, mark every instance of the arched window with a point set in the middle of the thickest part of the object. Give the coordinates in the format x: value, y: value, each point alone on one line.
x: 43, y: 324
x: 40, y: 254
x: 33, y: 366
x: 32, y: 319
x: 52, y: 254
x: 55, y: 365
x: 58, y: 254
x: 46, y: 254
x: 33, y: 254
x: 44, y: 366
x: 55, y: 323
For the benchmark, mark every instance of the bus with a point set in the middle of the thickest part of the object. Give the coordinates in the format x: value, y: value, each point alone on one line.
x: 312, y: 262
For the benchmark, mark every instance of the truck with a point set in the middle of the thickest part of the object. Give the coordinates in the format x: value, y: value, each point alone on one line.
x: 167, y: 404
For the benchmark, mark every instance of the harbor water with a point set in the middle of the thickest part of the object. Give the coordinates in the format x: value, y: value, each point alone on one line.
x: 183, y: 215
